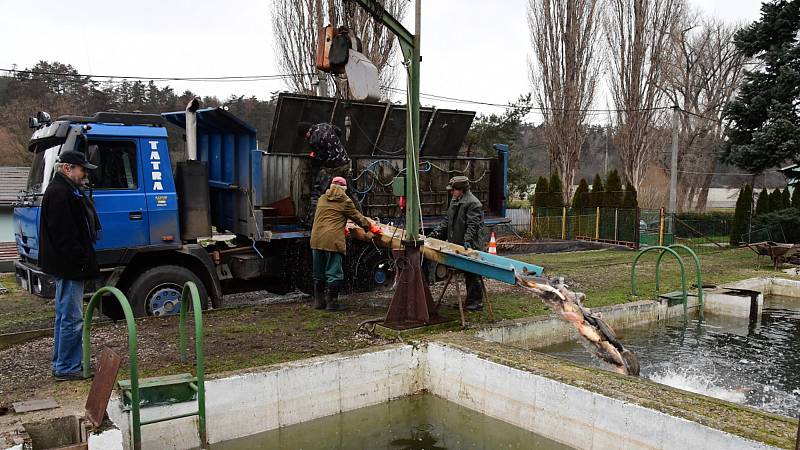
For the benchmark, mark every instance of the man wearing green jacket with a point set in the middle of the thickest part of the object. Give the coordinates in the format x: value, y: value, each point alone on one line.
x: 463, y: 225
x: 328, y: 244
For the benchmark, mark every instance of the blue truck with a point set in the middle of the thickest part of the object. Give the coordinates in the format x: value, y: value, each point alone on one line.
x: 227, y: 215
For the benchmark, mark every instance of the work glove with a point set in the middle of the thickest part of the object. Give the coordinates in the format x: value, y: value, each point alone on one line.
x: 375, y: 229
x: 346, y: 232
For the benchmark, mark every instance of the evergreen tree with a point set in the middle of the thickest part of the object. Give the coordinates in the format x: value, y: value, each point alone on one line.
x: 541, y: 193
x: 556, y: 191
x: 613, y: 195
x: 595, y: 199
x: 786, y: 198
x: 741, y: 216
x: 630, y: 200
x: 578, y: 200
x: 775, y: 201
x: 762, y: 204
x: 763, y: 119
x: 796, y: 198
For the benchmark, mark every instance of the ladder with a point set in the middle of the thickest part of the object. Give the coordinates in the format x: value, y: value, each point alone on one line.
x: 138, y: 393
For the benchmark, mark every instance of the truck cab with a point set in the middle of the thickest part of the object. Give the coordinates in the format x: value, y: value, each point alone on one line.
x: 133, y: 189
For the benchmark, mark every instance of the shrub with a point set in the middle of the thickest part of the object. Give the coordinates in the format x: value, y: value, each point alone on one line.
x: 579, y: 197
x: 556, y: 190
x: 775, y: 201
x: 595, y: 198
x: 762, y: 204
x: 741, y: 216
x: 630, y: 200
x: 786, y: 198
x: 786, y: 219
x: 613, y: 195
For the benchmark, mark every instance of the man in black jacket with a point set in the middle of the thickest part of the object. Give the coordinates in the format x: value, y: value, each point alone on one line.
x: 463, y: 225
x: 68, y: 228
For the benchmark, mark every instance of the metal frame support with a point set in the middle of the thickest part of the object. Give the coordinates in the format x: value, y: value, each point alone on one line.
x: 698, y: 272
x: 190, y: 290
x: 680, y: 262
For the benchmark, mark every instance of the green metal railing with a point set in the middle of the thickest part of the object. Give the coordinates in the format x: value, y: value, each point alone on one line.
x: 189, y: 290
x: 680, y: 263
x: 697, y: 270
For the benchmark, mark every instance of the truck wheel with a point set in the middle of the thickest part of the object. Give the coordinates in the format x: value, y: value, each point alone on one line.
x: 374, y: 270
x: 157, y: 291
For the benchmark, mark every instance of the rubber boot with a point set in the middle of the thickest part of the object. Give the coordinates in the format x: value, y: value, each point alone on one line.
x: 332, y: 297
x: 319, y: 294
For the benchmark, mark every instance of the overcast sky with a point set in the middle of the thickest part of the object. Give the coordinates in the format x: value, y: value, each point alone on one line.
x: 472, y: 49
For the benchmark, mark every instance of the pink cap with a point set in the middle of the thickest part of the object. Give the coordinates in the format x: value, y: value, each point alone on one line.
x: 340, y: 181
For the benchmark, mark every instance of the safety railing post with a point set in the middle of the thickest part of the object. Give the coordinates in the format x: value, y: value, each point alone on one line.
x: 133, y: 360
x: 563, y: 222
x: 697, y: 269
x: 661, y: 226
x: 680, y: 263
x: 190, y: 290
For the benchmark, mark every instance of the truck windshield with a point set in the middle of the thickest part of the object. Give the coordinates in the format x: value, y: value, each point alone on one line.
x: 41, y: 169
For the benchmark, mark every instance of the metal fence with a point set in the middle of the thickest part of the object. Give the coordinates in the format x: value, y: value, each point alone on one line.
x: 611, y: 225
x: 627, y: 227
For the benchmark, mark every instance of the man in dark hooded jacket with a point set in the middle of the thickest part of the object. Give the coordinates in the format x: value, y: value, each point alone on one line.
x: 463, y: 225
x: 68, y: 231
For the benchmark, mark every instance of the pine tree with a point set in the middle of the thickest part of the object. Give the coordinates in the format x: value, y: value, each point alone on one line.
x: 613, y: 195
x: 775, y: 201
x: 595, y: 199
x: 796, y: 197
x: 541, y: 193
x: 763, y: 119
x: 762, y: 204
x: 741, y: 216
x: 630, y: 200
x: 578, y: 200
x: 786, y: 198
x: 556, y: 195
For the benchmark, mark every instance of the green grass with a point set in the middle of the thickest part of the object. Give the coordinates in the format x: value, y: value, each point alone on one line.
x: 605, y: 275
x: 21, y: 311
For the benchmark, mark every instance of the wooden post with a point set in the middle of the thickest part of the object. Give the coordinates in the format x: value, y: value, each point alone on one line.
x: 597, y: 224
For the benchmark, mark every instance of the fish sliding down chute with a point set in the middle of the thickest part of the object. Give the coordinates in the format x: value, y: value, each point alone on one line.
x: 600, y: 339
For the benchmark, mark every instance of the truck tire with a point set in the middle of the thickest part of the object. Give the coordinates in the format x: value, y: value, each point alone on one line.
x: 157, y: 291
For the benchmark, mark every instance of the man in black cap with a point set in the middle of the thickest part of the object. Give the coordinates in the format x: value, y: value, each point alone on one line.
x: 68, y: 228
x: 463, y: 225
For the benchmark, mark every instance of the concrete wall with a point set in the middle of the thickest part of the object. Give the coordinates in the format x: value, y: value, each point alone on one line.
x: 282, y: 395
x: 576, y: 417
x: 290, y: 393
x: 540, y: 332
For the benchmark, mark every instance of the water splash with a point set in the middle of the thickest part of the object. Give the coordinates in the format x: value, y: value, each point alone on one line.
x: 692, y: 381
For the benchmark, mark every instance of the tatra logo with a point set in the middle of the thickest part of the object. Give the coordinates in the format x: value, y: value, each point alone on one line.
x: 155, y: 163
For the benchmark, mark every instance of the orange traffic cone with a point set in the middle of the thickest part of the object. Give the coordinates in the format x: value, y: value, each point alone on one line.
x: 493, y: 245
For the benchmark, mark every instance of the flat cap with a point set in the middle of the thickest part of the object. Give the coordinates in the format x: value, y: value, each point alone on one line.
x: 458, y: 182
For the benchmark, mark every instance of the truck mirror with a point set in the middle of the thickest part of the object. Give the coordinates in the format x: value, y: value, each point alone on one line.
x: 43, y: 117
x: 32, y: 122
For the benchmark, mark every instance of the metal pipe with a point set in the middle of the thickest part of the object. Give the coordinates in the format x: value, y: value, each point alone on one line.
x: 191, y: 129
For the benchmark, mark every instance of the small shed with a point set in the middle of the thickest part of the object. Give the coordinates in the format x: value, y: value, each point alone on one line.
x: 12, y: 181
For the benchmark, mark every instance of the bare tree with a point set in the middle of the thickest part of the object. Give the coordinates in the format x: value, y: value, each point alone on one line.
x: 638, y: 35
x: 564, y: 72
x: 296, y: 24
x: 704, y: 73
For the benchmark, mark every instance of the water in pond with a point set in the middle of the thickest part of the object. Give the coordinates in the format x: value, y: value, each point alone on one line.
x: 754, y: 363
x: 419, y: 422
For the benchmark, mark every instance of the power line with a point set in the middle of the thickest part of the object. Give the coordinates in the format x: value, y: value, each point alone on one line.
x: 143, y: 78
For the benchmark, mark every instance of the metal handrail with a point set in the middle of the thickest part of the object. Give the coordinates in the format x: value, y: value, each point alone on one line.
x: 680, y: 262
x: 698, y: 273
x: 133, y: 350
x: 189, y: 289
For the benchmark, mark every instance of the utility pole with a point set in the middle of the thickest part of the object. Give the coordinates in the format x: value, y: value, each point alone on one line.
x: 605, y: 161
x: 673, y: 177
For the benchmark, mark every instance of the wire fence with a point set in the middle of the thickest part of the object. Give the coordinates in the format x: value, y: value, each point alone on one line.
x: 627, y: 227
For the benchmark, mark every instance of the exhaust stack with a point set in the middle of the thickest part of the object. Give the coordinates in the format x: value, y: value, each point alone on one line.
x: 191, y: 129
